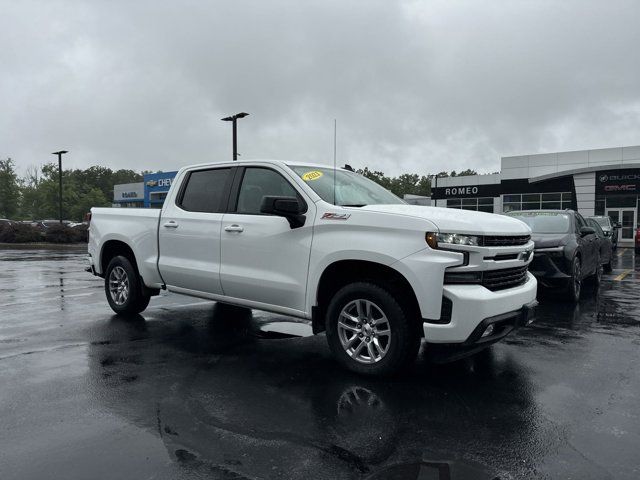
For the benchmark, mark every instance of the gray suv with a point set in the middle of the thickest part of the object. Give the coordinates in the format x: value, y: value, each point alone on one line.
x: 609, y: 227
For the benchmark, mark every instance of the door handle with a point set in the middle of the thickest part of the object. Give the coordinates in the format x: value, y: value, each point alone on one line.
x: 171, y: 224
x: 233, y: 228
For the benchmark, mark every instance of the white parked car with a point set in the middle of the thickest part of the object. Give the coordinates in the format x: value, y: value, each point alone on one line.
x: 326, y: 245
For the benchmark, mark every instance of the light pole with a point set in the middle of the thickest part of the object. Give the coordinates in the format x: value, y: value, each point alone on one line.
x: 59, y: 154
x: 234, y: 119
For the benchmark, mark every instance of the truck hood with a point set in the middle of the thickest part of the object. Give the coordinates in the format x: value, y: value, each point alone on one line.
x: 549, y: 240
x: 453, y: 220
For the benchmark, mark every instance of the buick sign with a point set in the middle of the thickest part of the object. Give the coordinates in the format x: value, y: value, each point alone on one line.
x: 619, y: 182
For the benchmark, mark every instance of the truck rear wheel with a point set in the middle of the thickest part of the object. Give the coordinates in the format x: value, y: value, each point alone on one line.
x: 123, y: 288
x: 369, y: 332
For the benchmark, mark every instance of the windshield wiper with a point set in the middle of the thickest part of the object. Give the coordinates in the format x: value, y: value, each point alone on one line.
x: 354, y: 205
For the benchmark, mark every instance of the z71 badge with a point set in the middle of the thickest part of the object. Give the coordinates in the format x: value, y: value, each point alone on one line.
x: 335, y: 216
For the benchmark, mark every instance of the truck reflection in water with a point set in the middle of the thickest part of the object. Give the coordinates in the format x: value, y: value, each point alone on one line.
x: 227, y: 402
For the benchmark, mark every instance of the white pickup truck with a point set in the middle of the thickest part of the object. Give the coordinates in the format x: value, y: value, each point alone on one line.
x: 326, y: 245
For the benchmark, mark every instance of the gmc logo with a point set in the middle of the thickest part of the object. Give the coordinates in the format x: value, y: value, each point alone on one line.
x: 620, y: 188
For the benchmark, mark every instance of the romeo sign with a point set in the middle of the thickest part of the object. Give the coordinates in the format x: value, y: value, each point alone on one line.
x: 488, y: 190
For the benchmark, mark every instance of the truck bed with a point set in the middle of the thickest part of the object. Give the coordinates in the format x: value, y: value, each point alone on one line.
x: 137, y: 227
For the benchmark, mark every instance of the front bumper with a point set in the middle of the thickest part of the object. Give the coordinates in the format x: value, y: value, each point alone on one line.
x: 502, y: 325
x: 474, y: 306
x: 545, y: 266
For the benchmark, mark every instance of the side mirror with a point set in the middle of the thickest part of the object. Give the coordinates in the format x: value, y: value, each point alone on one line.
x: 288, y: 207
x: 584, y: 231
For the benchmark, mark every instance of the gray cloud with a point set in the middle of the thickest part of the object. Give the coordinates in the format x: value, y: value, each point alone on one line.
x: 415, y: 86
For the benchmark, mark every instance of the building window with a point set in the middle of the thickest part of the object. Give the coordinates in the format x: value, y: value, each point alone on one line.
x: 483, y: 204
x: 536, y: 201
x: 621, y: 201
x: 157, y: 196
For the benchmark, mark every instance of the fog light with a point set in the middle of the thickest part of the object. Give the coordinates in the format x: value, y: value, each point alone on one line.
x: 488, y: 331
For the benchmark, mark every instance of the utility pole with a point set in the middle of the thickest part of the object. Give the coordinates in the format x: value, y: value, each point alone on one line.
x: 234, y: 120
x: 59, y: 154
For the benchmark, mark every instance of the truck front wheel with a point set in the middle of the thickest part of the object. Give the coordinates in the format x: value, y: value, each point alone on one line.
x: 123, y: 288
x: 369, y: 332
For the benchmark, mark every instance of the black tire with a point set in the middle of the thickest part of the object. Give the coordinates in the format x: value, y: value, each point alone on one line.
x: 402, y: 341
x: 129, y: 297
x: 574, y: 287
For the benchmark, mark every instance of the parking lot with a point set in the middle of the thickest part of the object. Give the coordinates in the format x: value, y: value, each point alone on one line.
x: 190, y: 389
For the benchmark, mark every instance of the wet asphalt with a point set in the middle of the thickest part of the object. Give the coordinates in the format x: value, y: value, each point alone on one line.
x: 191, y: 389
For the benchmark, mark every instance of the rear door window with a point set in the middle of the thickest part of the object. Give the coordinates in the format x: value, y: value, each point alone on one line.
x: 205, y: 191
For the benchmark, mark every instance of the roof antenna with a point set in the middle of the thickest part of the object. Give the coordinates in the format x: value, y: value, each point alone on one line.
x: 335, y: 134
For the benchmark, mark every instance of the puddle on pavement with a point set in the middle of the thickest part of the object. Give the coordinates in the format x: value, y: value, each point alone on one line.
x: 436, y: 470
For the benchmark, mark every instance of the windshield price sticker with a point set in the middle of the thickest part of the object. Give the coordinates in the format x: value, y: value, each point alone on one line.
x: 313, y: 175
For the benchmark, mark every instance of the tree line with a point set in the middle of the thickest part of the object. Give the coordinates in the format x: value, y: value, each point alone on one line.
x: 409, y: 183
x: 34, y: 196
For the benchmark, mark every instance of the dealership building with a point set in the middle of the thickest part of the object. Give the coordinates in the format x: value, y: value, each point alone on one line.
x: 595, y: 182
x: 150, y: 193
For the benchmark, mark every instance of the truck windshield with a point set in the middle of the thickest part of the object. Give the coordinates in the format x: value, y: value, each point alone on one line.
x: 544, y: 222
x: 351, y: 189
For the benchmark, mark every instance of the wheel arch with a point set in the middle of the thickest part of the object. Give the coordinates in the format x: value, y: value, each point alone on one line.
x: 114, y: 248
x: 343, y: 272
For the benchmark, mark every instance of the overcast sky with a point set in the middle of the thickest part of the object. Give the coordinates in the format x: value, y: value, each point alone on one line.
x: 415, y: 86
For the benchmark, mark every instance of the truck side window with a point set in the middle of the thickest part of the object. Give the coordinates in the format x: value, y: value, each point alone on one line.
x: 258, y: 182
x: 205, y: 190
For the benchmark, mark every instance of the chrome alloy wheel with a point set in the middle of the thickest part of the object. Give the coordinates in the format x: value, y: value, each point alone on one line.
x: 119, y: 285
x: 364, y: 331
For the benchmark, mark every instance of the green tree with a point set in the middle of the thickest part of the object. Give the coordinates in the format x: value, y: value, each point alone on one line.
x: 91, y: 198
x: 409, y: 183
x: 9, y: 189
x: 376, y: 176
x: 424, y: 186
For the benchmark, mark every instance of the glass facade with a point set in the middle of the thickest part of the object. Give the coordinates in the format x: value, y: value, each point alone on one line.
x: 604, y: 202
x: 130, y: 204
x: 537, y: 201
x: 482, y: 204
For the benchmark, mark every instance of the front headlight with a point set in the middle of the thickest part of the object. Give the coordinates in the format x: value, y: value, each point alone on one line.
x: 435, y: 239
